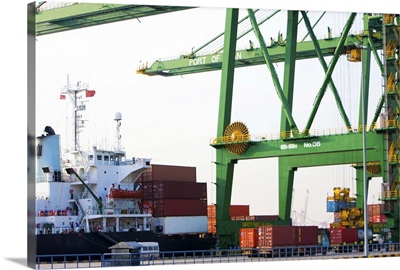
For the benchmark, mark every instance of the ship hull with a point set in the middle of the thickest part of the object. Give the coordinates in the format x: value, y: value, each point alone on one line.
x: 99, y: 243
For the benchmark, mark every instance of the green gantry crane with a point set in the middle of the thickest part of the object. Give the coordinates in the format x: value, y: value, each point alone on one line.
x: 296, y: 148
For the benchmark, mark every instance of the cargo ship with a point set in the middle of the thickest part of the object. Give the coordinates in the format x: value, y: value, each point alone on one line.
x: 89, y: 200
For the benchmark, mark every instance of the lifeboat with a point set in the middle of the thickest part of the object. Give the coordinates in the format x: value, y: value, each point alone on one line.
x: 125, y: 194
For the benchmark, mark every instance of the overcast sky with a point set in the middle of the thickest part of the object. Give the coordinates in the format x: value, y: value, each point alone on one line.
x: 173, y: 119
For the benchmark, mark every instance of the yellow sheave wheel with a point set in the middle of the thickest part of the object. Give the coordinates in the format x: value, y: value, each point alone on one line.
x: 236, y: 136
x: 374, y: 169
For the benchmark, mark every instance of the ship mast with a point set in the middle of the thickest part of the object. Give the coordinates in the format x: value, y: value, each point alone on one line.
x: 75, y: 96
x: 118, y: 118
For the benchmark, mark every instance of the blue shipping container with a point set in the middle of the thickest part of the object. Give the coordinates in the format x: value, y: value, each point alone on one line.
x: 335, y: 206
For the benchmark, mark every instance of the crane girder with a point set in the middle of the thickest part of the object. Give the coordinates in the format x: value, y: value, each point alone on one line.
x: 82, y: 15
x: 249, y: 57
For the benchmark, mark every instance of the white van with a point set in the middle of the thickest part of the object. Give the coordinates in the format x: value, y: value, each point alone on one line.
x: 149, y: 250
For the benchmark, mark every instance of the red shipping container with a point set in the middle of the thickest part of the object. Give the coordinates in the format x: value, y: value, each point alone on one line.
x: 375, y: 209
x: 173, y: 173
x: 277, y: 236
x: 235, y: 210
x: 266, y: 218
x: 307, y: 235
x: 179, y: 190
x: 145, y: 176
x: 343, y: 235
x: 379, y: 218
x: 239, y: 210
x: 248, y: 237
x: 147, y: 188
x: 179, y: 207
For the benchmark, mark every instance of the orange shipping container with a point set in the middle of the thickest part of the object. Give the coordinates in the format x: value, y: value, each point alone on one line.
x: 248, y: 237
x: 212, y: 228
x: 211, y: 211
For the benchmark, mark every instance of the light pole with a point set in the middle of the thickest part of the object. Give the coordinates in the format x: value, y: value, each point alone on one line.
x: 363, y: 120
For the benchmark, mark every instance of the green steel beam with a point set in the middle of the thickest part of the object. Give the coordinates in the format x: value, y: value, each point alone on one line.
x: 224, y: 170
x: 365, y: 75
x: 285, y: 105
x: 325, y: 67
x: 338, y: 52
x: 185, y: 65
x: 286, y: 177
x: 293, y: 155
x: 381, y: 102
x: 289, y: 68
x: 82, y: 15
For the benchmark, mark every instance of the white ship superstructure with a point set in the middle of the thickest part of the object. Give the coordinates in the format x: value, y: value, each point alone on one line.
x: 91, y: 190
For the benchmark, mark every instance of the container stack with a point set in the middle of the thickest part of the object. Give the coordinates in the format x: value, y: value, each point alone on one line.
x: 344, y: 209
x: 237, y: 212
x: 275, y: 236
x: 375, y: 213
x: 347, y: 218
x: 340, y: 200
x: 344, y: 235
x: 376, y: 218
x: 348, y: 224
x: 176, y: 201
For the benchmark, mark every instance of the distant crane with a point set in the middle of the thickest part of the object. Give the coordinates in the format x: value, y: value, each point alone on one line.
x: 300, y: 219
x: 304, y: 212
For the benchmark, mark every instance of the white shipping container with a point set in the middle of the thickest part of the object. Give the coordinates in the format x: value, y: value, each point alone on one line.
x: 182, y: 225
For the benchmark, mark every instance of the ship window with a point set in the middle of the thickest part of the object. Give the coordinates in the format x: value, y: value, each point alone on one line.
x: 99, y: 157
x: 106, y: 158
x: 90, y: 157
x: 39, y: 150
x: 112, y: 158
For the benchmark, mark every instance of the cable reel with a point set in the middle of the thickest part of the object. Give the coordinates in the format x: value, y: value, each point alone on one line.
x: 236, y: 137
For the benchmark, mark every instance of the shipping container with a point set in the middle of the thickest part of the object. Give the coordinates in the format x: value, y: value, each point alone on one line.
x: 335, y: 206
x: 340, y: 236
x: 307, y: 235
x: 239, y: 210
x: 212, y: 225
x: 211, y: 211
x: 179, y: 207
x: 377, y: 218
x: 147, y: 188
x: 375, y: 209
x: 248, y: 237
x: 179, y: 190
x: 145, y: 177
x: 276, y: 236
x: 181, y: 225
x: 173, y: 173
x: 235, y: 210
x: 266, y: 218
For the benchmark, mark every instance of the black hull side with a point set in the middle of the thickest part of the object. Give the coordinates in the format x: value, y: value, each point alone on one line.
x: 89, y: 243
